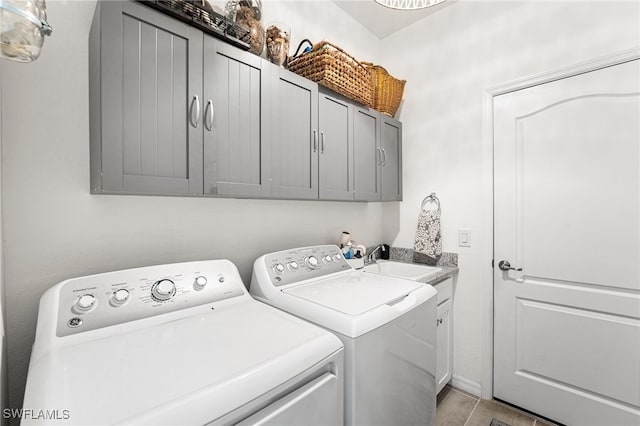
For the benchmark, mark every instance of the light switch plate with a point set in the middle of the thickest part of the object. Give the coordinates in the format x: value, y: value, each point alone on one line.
x: 464, y: 237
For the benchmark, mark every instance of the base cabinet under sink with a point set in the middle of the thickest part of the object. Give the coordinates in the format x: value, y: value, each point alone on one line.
x: 444, y: 334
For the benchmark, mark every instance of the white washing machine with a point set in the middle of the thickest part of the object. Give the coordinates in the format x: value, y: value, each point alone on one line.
x: 180, y: 344
x: 387, y: 325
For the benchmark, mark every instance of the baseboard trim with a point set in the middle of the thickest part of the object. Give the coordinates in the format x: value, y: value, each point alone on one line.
x: 466, y: 385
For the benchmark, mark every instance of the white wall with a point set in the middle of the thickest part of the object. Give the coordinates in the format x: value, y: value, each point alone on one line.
x: 55, y: 229
x: 448, y: 59
x: 318, y: 20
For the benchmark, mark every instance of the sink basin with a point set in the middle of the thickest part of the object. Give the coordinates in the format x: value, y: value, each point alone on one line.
x: 408, y: 271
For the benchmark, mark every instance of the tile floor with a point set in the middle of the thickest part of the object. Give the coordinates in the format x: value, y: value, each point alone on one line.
x: 458, y: 408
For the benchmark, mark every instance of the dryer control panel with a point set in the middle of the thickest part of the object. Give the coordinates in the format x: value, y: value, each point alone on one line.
x: 290, y: 266
x: 97, y: 301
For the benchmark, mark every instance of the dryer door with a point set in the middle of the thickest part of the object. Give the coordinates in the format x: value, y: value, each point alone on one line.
x: 315, y: 403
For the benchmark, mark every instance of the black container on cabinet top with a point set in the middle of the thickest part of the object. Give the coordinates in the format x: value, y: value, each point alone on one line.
x: 195, y: 13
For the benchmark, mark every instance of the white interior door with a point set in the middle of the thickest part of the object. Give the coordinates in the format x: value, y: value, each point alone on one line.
x: 567, y: 211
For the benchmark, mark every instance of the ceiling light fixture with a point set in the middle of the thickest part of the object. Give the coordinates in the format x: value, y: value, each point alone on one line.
x: 23, y: 26
x: 408, y: 4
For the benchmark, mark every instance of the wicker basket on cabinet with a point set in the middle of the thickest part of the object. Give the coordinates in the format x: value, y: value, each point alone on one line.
x: 387, y: 90
x: 332, y: 67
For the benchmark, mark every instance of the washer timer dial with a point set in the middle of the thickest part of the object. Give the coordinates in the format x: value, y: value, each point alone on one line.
x: 163, y: 290
x: 311, y: 262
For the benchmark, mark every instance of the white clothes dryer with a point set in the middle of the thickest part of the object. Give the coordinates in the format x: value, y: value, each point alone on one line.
x: 180, y: 344
x: 387, y: 325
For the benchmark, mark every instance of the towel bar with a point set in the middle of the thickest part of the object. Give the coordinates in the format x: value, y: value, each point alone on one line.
x: 431, y: 197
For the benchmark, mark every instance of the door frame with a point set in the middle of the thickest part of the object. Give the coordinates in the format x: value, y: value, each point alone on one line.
x: 487, y: 190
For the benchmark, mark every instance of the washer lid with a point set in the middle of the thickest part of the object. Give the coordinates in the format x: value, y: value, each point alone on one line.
x: 189, y: 371
x: 355, y: 293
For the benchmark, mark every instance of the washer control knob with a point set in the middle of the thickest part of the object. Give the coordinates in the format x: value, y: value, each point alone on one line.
x: 311, y: 262
x: 120, y: 297
x: 199, y: 283
x: 163, y: 290
x: 337, y: 257
x: 293, y: 266
x: 326, y: 259
x: 85, y: 303
x: 279, y: 268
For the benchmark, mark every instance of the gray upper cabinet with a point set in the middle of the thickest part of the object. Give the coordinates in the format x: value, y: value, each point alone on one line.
x: 312, y: 140
x: 336, y: 147
x: 294, y: 119
x: 367, y: 154
x: 237, y: 150
x: 145, y: 80
x: 174, y: 111
x: 391, y: 147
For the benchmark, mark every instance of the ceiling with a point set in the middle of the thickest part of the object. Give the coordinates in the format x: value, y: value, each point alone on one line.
x: 381, y: 20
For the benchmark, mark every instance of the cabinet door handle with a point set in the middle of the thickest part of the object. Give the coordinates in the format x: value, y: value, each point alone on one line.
x: 379, y: 154
x: 315, y: 140
x: 194, y: 102
x: 384, y: 157
x: 208, y: 112
x: 321, y: 142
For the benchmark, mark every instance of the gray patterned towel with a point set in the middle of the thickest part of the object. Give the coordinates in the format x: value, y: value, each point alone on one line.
x: 428, y: 240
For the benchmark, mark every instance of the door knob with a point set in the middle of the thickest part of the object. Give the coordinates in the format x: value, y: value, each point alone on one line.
x: 506, y: 266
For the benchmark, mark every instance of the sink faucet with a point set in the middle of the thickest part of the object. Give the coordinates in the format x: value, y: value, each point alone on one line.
x: 370, y: 257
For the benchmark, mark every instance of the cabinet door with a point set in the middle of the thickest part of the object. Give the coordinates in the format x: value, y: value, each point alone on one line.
x: 391, y: 146
x: 444, y: 345
x: 150, y: 79
x: 367, y: 154
x: 294, y: 118
x: 336, y: 148
x: 236, y: 138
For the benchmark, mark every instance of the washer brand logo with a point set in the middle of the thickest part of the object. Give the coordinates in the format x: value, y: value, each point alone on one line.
x: 29, y: 414
x: 74, y: 322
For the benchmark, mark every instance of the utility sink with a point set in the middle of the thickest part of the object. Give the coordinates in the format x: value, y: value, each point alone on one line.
x: 408, y: 271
